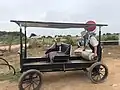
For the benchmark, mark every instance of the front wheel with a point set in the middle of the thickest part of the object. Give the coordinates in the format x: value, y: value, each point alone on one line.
x: 30, y: 80
x: 98, y: 72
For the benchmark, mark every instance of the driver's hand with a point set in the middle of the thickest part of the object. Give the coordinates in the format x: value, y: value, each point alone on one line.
x: 95, y: 54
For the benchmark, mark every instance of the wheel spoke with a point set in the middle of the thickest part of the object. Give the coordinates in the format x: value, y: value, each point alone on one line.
x: 101, y: 74
x: 30, y: 80
x: 102, y: 70
x: 99, y: 77
x: 33, y: 86
x: 98, y: 72
x: 101, y: 67
x: 26, y: 81
x: 35, y: 82
x: 27, y: 86
x: 93, y: 75
x: 95, y: 78
x: 35, y: 77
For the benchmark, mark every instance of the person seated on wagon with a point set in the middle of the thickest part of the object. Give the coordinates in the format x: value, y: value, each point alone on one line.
x: 93, y: 44
x: 81, y: 44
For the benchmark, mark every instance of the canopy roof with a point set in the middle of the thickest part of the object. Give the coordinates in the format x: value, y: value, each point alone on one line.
x: 54, y: 24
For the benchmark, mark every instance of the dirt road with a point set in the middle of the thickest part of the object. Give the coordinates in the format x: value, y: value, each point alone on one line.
x: 12, y: 47
x: 78, y: 80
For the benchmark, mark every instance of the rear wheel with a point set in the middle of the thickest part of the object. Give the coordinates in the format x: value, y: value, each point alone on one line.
x: 98, y: 72
x: 30, y: 80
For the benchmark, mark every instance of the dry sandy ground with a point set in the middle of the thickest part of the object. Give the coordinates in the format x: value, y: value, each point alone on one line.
x: 78, y: 80
x: 12, y: 47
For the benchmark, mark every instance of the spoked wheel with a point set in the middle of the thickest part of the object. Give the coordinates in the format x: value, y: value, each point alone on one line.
x: 98, y: 72
x: 30, y: 80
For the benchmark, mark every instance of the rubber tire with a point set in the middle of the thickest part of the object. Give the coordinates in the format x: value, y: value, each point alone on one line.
x: 26, y: 73
x: 90, y: 72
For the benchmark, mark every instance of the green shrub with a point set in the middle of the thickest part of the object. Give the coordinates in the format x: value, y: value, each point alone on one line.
x: 69, y: 40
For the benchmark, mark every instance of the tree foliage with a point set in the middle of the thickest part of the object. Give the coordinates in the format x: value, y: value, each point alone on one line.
x: 70, y: 40
x: 5, y: 37
x: 109, y: 36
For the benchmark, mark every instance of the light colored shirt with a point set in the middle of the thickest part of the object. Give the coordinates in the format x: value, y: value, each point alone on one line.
x: 93, y: 41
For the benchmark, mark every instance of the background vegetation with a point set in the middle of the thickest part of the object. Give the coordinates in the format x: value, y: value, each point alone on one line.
x: 10, y: 38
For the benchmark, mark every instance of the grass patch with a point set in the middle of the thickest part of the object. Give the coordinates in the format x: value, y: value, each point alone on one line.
x: 10, y: 77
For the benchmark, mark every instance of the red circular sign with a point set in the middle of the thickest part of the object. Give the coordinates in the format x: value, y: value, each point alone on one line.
x: 92, y: 27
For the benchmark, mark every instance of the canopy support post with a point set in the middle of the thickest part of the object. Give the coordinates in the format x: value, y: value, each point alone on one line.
x: 99, y: 35
x: 21, y: 47
x: 99, y: 47
x: 25, y: 50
